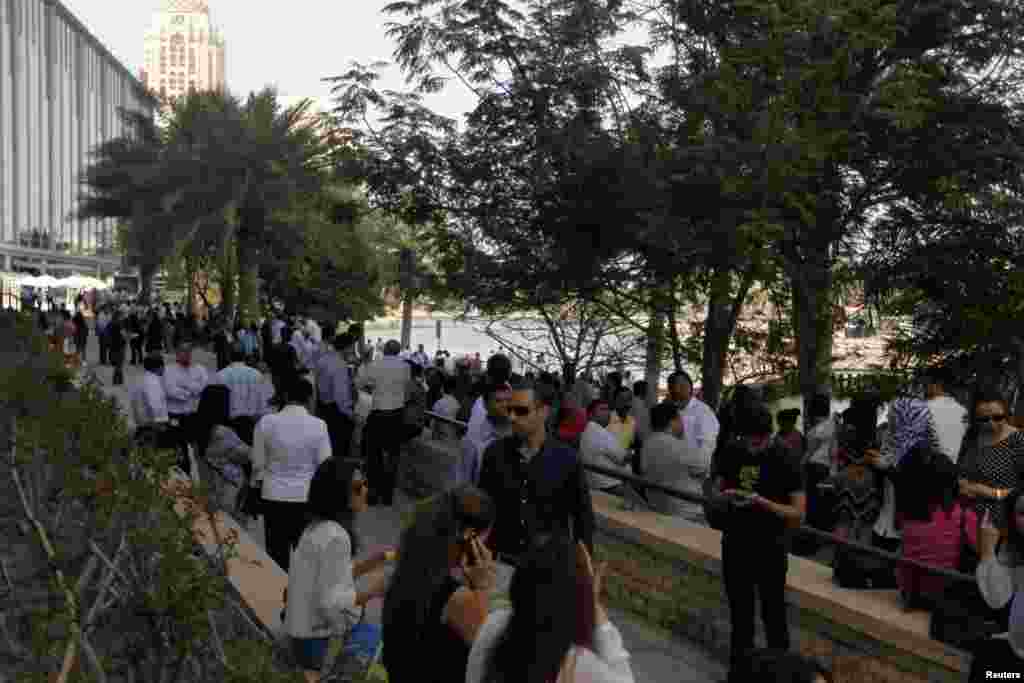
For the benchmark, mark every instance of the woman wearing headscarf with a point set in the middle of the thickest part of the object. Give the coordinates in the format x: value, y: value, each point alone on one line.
x: 910, y: 427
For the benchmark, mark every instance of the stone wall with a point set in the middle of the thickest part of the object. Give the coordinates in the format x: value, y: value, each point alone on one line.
x: 670, y: 590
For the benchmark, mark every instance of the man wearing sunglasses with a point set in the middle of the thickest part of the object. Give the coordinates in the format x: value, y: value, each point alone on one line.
x: 536, y: 481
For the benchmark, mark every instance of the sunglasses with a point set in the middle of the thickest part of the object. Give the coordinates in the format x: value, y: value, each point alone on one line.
x: 982, y: 419
x: 520, y: 411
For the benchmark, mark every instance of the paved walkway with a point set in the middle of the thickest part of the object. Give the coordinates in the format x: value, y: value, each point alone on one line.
x: 655, y: 657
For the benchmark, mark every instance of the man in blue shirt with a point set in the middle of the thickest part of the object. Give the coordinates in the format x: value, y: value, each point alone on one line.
x: 336, y: 400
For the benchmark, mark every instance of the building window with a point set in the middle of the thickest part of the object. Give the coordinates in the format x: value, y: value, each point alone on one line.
x: 163, y: 91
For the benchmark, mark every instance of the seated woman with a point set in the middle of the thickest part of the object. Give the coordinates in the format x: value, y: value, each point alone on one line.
x: 222, y: 455
x: 321, y: 578
x: 429, y: 615
x: 1001, y: 578
x: 933, y: 522
x: 557, y: 629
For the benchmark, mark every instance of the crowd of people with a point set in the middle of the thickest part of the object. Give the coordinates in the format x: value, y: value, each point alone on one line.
x: 282, y: 411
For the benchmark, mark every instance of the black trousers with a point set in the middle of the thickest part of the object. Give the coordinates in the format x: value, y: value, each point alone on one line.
x: 754, y: 570
x: 340, y: 427
x: 382, y: 442
x: 136, y: 345
x: 117, y: 360
x: 994, y: 656
x: 186, y: 433
x: 819, y: 503
x: 283, y: 523
x: 104, y: 351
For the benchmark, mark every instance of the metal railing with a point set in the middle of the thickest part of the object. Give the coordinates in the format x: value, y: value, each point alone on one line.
x: 645, y: 484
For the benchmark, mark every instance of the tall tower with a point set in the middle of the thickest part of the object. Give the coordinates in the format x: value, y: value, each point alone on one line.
x: 184, y: 50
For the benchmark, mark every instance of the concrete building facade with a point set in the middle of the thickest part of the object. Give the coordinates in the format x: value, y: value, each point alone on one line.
x: 183, y: 50
x: 60, y: 94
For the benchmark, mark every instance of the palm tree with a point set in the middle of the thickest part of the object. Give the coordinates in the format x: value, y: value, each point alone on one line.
x: 122, y: 182
x: 220, y: 172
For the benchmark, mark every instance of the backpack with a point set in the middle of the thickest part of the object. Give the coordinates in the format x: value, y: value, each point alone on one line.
x: 716, y: 512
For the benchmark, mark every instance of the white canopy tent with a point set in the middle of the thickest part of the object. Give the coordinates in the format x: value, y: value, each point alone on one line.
x: 73, y: 282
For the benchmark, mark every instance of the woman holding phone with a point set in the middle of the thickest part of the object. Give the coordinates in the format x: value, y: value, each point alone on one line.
x: 557, y: 629
x: 322, y: 592
x: 430, y: 615
x: 1001, y: 579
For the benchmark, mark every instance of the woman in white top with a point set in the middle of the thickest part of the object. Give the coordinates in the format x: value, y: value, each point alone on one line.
x: 322, y: 591
x: 287, y: 448
x: 557, y: 631
x: 1001, y: 579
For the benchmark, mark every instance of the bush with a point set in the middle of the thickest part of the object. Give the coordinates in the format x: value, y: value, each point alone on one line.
x: 101, y: 577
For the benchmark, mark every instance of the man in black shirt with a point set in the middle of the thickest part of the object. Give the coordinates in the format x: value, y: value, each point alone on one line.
x: 765, y: 494
x: 536, y: 482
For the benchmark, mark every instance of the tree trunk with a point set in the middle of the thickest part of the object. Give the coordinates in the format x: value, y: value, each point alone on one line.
x: 724, y: 307
x: 673, y: 335
x: 407, y: 320
x: 248, y: 294
x: 655, y: 349
x: 1017, y: 398
x: 146, y: 275
x: 716, y: 349
x: 812, y: 316
x: 228, y: 281
x: 190, y: 276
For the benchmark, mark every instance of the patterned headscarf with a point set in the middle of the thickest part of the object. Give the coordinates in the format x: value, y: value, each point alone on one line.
x: 910, y: 426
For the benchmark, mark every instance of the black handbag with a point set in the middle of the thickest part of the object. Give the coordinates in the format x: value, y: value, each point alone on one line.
x: 250, y: 501
x: 969, y: 557
x: 962, y: 618
x: 716, y: 512
x: 858, y: 570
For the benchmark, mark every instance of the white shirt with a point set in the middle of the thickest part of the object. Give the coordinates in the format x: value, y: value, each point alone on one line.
x: 276, y: 327
x: 446, y: 406
x: 1000, y: 582
x: 250, y: 390
x: 608, y: 662
x: 183, y: 386
x: 321, y: 588
x: 950, y: 420
x: 668, y: 460
x: 149, y: 403
x: 287, y: 448
x: 600, y: 447
x: 822, y: 443
x: 302, y: 348
x: 314, y: 332
x: 480, y: 431
x: 700, y: 428
x: 388, y: 377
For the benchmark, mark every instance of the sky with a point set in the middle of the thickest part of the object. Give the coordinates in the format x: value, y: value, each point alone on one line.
x: 291, y: 44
